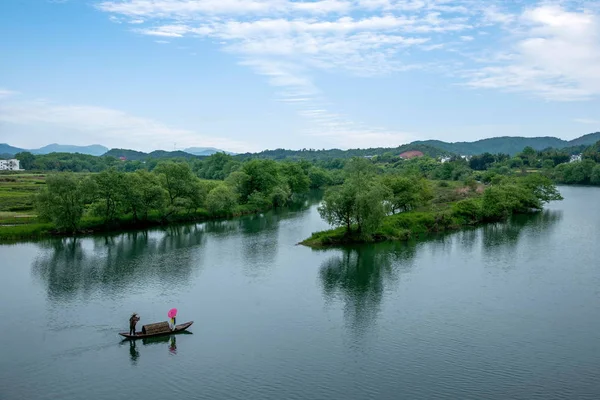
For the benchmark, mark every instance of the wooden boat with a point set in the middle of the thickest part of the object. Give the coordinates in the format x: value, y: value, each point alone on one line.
x: 156, y: 332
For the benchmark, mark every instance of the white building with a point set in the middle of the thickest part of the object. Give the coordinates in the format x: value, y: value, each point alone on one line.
x: 575, y: 158
x: 9, y: 165
x: 445, y: 159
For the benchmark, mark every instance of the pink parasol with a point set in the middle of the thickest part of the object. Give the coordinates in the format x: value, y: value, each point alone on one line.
x: 172, y: 313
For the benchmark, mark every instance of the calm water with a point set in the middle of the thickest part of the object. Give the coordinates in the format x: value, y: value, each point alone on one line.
x: 508, y: 311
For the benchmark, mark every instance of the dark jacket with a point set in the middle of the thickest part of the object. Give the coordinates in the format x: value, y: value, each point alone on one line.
x: 133, y: 320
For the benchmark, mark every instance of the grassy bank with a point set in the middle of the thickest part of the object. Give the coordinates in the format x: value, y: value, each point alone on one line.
x: 452, y: 208
x: 399, y: 227
x: 32, y: 229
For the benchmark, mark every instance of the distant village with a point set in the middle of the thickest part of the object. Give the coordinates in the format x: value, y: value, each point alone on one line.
x: 13, y: 164
x: 407, y: 155
x: 9, y: 165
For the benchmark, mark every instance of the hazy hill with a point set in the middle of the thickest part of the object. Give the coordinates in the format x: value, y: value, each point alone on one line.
x: 205, y: 151
x: 8, y: 150
x: 93, y: 150
x: 312, y: 154
x: 132, y: 155
x: 510, y: 144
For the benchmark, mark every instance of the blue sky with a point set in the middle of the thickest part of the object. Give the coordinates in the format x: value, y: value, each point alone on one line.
x: 246, y: 75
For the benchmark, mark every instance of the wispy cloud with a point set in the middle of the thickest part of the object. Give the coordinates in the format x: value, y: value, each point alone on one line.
x: 588, y: 121
x: 104, y: 125
x: 554, y: 55
x: 4, y: 93
x: 290, y: 41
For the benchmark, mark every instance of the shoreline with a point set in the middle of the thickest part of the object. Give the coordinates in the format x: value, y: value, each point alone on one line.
x: 16, y: 233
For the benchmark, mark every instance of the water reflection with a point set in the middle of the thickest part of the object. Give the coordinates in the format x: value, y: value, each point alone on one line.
x: 169, y: 340
x: 134, y: 353
x: 506, y: 235
x: 359, y: 276
x: 111, y: 264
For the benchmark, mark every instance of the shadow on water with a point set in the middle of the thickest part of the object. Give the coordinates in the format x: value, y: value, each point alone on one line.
x: 359, y: 275
x: 113, y: 263
x: 70, y: 266
x: 506, y: 235
x: 170, y: 340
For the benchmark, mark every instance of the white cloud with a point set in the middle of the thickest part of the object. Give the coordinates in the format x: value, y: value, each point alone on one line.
x: 555, y: 56
x: 588, y: 121
x: 4, y: 93
x: 103, y: 125
x: 289, y: 41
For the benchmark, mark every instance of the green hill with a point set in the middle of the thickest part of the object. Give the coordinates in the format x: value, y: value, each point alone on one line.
x: 8, y: 150
x: 133, y: 155
x: 312, y: 154
x: 510, y: 144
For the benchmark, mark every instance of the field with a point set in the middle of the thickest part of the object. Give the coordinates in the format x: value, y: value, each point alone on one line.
x: 17, y: 191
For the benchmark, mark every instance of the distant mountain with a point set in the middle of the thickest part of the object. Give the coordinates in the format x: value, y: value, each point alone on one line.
x: 205, y: 151
x: 171, y: 154
x: 93, y: 150
x: 314, y: 155
x: 132, y: 155
x: 509, y: 144
x: 8, y: 150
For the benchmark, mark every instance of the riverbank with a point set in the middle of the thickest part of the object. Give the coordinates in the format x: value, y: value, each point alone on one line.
x: 399, y: 227
x: 494, y: 203
x: 32, y: 230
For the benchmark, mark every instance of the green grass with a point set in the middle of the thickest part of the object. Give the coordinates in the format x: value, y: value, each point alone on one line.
x: 29, y: 231
x: 17, y: 191
x: 435, y: 218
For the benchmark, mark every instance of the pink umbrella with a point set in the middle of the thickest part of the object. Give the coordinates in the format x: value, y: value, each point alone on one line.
x: 172, y: 313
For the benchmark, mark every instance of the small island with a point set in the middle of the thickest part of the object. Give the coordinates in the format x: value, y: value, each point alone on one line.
x: 371, y: 207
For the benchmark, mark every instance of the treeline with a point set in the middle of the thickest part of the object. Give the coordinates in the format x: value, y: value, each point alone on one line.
x: 171, y: 192
x: 133, y: 160
x: 555, y: 164
x: 372, y: 207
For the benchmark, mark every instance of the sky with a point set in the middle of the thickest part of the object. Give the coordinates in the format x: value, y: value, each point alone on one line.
x: 248, y: 75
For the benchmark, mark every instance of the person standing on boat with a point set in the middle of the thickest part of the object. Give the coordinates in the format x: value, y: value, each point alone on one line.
x: 132, y: 321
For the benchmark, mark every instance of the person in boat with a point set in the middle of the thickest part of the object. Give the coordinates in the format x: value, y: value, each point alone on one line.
x: 132, y: 322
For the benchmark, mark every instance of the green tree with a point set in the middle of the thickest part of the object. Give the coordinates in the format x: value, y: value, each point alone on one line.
x: 372, y: 206
x: 177, y: 179
x: 407, y: 193
x: 263, y: 176
x: 595, y: 178
x: 296, y: 177
x: 62, y: 201
x: 141, y: 193
x: 338, y: 206
x: 318, y: 177
x: 109, y: 190
x: 221, y: 200
x: 26, y: 159
x: 542, y: 188
x: 548, y: 164
x: 238, y: 181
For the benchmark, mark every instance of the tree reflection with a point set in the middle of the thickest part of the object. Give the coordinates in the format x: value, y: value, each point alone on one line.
x: 113, y: 263
x: 359, y: 276
x: 506, y: 235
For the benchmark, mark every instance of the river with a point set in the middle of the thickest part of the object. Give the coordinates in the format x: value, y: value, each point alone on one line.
x: 505, y: 311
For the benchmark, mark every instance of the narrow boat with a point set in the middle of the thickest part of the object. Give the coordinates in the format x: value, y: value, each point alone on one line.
x: 156, y: 332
